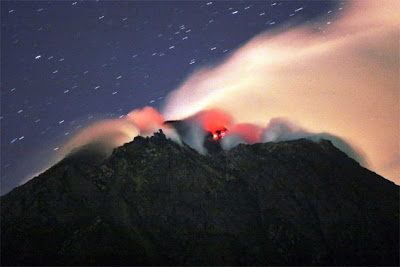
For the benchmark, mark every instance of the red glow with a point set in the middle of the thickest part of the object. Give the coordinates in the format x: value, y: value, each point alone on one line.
x: 148, y: 120
x: 218, y: 134
x: 213, y: 120
x: 250, y: 132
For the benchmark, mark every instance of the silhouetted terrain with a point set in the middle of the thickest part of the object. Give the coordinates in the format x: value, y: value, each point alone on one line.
x: 156, y: 202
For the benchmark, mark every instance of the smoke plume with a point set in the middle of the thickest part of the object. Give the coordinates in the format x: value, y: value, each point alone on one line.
x: 339, y: 81
x: 339, y: 78
x: 148, y: 120
x: 109, y: 134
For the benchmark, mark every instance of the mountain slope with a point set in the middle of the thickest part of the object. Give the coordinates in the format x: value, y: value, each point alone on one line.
x: 156, y: 202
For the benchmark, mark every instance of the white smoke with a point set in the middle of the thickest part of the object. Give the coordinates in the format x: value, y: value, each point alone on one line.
x: 341, y: 78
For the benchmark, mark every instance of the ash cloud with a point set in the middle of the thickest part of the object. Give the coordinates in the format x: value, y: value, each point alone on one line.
x: 340, y: 83
x: 340, y: 79
x: 193, y: 131
x: 281, y: 129
x: 148, y: 120
x: 103, y: 136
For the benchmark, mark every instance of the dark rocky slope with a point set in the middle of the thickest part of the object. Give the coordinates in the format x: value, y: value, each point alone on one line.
x: 155, y: 202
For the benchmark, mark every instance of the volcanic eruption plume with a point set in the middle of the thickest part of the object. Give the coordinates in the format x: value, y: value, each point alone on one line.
x: 337, y: 81
x: 339, y: 78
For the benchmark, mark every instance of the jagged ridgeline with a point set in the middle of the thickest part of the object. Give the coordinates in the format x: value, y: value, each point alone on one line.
x: 154, y: 202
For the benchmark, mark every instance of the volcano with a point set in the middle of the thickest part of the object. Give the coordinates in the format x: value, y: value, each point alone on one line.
x: 212, y: 138
x: 155, y: 202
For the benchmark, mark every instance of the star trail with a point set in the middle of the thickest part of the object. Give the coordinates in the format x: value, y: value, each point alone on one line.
x: 66, y: 64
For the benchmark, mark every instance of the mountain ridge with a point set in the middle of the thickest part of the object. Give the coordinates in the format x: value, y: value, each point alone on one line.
x: 155, y: 202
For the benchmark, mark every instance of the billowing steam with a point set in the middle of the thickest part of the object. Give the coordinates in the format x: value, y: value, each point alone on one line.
x: 340, y: 78
x: 212, y: 120
x: 109, y: 134
x: 332, y: 79
x: 194, y: 129
x: 148, y: 120
x: 279, y: 129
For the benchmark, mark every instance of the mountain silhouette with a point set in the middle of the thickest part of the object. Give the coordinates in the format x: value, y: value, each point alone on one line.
x: 155, y: 202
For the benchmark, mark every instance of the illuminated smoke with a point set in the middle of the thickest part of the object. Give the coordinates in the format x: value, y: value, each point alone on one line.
x: 194, y: 129
x: 171, y: 134
x: 148, y: 120
x: 109, y: 134
x: 212, y: 119
x: 339, y: 78
x: 279, y: 129
x: 231, y: 140
x: 339, y: 81
x: 250, y: 133
x: 102, y: 137
x: 195, y: 136
x: 243, y: 133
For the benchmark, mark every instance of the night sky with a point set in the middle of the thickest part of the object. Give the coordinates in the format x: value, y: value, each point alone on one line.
x: 66, y: 64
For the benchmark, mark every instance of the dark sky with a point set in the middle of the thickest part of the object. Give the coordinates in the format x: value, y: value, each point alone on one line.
x: 65, y: 64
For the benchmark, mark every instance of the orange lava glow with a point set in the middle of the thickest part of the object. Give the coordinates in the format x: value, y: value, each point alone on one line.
x: 213, y: 120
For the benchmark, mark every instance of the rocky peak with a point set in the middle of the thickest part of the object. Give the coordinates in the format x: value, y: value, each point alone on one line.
x: 155, y: 202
